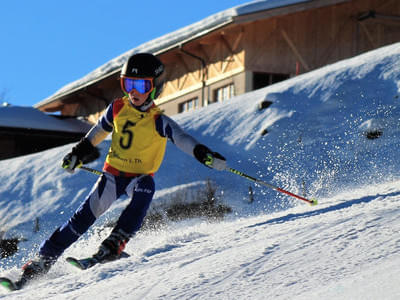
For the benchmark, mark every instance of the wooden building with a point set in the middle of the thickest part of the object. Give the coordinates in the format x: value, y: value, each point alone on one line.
x: 240, y: 50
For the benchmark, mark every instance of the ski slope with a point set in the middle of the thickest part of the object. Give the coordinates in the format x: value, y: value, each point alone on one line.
x: 347, y: 247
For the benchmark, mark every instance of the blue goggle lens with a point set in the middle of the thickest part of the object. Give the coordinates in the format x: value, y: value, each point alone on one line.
x: 141, y: 85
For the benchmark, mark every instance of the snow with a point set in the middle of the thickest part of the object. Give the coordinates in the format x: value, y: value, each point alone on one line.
x: 31, y: 118
x: 346, y: 247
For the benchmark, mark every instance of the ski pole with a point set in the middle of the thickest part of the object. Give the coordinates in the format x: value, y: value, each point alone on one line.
x: 311, y: 202
x: 96, y: 172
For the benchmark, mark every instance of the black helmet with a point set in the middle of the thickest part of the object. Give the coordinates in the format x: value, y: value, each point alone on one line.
x: 144, y: 65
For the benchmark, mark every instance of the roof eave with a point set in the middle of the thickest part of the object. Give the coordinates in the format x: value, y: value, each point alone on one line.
x: 284, y: 10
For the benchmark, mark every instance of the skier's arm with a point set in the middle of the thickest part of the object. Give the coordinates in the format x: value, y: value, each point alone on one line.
x: 167, y: 127
x: 102, y: 128
x: 85, y: 151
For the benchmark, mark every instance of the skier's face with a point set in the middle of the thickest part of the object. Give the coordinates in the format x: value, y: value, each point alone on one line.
x: 137, y: 98
x: 138, y: 89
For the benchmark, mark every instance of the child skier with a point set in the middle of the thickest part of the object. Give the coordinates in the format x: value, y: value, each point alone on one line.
x: 139, y: 136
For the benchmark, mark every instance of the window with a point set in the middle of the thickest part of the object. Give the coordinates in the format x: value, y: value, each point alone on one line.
x: 189, y: 105
x: 261, y: 80
x: 224, y: 93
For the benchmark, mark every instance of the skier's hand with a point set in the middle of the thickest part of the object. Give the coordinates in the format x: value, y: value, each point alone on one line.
x: 70, y: 162
x: 84, y: 152
x: 209, y: 158
x: 216, y: 161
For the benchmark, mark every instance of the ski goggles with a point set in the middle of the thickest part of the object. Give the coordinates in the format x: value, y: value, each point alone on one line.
x: 142, y: 85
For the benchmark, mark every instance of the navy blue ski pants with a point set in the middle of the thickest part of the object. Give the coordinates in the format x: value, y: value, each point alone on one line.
x: 106, y: 190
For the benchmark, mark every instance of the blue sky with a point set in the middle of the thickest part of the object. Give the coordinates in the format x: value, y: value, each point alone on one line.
x: 47, y: 44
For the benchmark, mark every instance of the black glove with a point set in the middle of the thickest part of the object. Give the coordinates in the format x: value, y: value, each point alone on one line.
x: 209, y: 158
x: 84, y: 152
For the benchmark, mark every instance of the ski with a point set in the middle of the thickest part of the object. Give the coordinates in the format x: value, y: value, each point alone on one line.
x: 83, y: 264
x: 11, y: 285
x: 86, y: 263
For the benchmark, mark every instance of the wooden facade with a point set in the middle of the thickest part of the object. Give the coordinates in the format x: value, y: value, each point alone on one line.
x: 251, y: 51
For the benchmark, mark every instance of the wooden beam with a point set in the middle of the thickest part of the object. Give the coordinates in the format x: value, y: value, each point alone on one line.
x: 212, y: 54
x: 262, y: 43
x: 172, y: 86
x: 188, y: 72
x: 171, y: 74
x: 238, y: 39
x: 204, y: 54
x: 295, y: 51
x: 226, y: 62
x: 335, y: 40
x: 385, y: 20
x: 386, y: 3
x: 368, y: 34
x: 182, y: 81
x: 231, y: 55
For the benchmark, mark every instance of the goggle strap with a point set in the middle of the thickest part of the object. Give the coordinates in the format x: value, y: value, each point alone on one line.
x: 153, y: 93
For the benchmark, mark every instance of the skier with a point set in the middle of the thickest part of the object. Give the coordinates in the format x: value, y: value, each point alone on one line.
x: 139, y: 136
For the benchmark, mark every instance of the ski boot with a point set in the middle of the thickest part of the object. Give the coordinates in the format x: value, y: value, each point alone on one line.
x: 33, y: 269
x: 112, y: 247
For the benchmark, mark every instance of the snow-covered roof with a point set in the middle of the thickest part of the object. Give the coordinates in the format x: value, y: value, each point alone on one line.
x: 31, y: 118
x: 171, y: 40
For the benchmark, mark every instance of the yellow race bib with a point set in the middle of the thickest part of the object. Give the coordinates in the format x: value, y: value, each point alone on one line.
x: 136, y: 146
